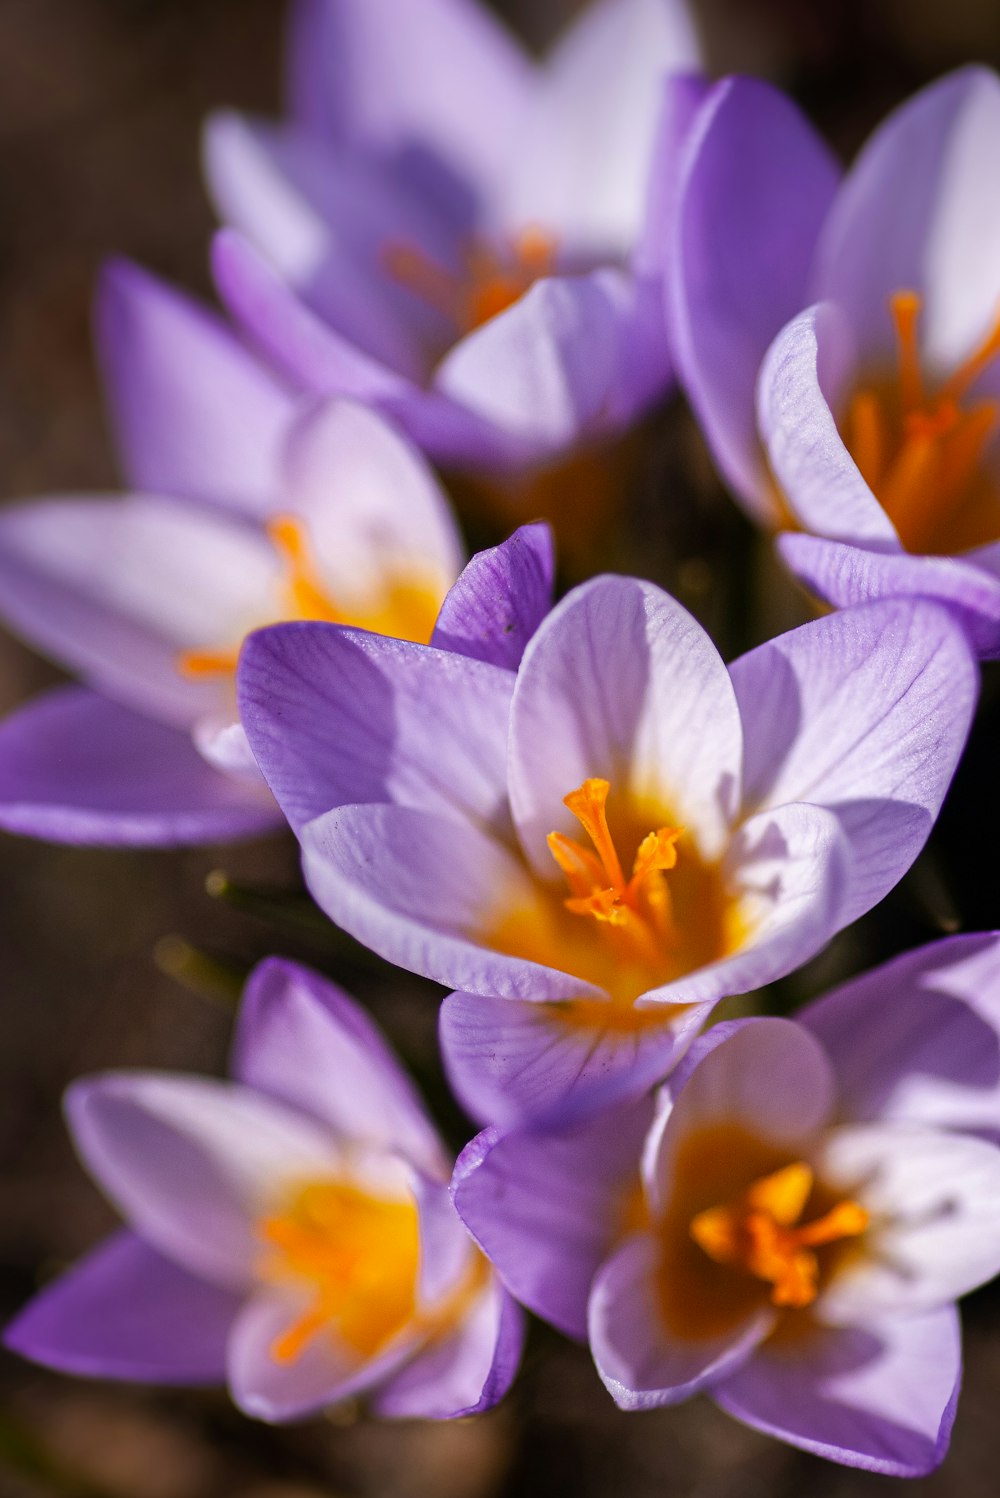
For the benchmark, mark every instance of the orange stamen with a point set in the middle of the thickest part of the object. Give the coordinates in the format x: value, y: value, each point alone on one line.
x: 196, y: 663
x: 758, y: 1233
x: 492, y: 279
x: 306, y: 598
x: 905, y: 308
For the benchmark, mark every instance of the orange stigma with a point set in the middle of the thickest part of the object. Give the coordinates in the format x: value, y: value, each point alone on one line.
x: 491, y: 280
x: 921, y: 449
x: 759, y: 1234
x: 640, y: 906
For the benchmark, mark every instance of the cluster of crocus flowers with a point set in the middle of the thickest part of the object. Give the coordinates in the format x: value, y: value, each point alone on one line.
x: 578, y: 819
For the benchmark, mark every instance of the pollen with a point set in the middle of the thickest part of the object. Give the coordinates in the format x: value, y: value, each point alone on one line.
x: 491, y: 279
x: 762, y: 1233
x: 921, y: 446
x: 355, y: 1259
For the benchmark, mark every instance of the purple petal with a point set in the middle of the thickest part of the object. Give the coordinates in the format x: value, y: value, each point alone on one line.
x: 464, y: 1373
x: 920, y: 211
x: 126, y: 1312
x: 918, y: 1039
x: 500, y: 599
x: 510, y: 1061
x: 422, y: 890
x: 881, y: 1398
x: 195, y: 414
x: 191, y: 1163
x: 621, y: 682
x: 756, y: 185
x: 547, y: 1208
x: 303, y: 1040
x: 434, y: 88
x: 640, y: 1361
x: 337, y: 716
x: 77, y: 768
x: 803, y: 376
x: 681, y: 98
x: 867, y: 712
x: 844, y: 575
x: 585, y: 148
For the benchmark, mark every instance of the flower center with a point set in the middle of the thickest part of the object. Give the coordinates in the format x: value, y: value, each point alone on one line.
x: 355, y: 1255
x: 493, y: 276
x: 405, y: 607
x: 761, y: 1233
x: 920, y: 448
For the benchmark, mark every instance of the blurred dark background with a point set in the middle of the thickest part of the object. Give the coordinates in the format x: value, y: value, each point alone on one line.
x: 100, y: 105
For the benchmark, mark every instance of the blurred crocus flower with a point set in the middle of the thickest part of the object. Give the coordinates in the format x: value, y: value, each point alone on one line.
x: 878, y: 402
x: 597, y: 851
x: 456, y: 234
x: 249, y: 510
x: 289, y: 1232
x: 788, y: 1226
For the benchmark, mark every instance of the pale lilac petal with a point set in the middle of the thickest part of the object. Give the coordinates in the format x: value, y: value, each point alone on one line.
x: 881, y: 1397
x: 920, y: 210
x: 547, y: 1208
x: 191, y: 1163
x: 447, y: 1254
x: 373, y: 506
x: 78, y: 768
x: 464, y: 1373
x: 642, y: 1364
x: 585, y: 147
x: 510, y: 1061
x: 303, y: 1040
x: 195, y: 413
x: 500, y: 599
x: 543, y: 371
x: 803, y: 376
x: 681, y: 98
x: 119, y: 588
x: 918, y: 1039
x: 422, y: 891
x: 844, y: 575
x: 125, y: 1312
x: 769, y: 1077
x: 336, y: 716
x: 756, y: 184
x: 434, y: 87
x: 620, y: 682
x: 867, y: 712
x: 934, y: 1203
x: 324, y: 1373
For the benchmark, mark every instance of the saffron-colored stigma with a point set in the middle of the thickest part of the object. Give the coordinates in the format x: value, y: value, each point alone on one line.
x: 921, y: 450
x: 758, y: 1233
x: 405, y: 608
x: 356, y: 1255
x: 492, y: 279
x: 639, y: 907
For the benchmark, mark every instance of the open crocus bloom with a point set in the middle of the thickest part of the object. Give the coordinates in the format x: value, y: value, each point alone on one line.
x: 289, y: 1232
x: 788, y: 1226
x: 149, y: 598
x: 879, y: 400
x: 455, y: 234
x: 597, y: 851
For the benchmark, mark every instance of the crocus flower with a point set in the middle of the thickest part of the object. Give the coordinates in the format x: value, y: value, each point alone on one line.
x: 454, y: 233
x: 789, y: 1226
x: 597, y: 851
x: 270, y: 514
x: 877, y: 400
x: 289, y: 1232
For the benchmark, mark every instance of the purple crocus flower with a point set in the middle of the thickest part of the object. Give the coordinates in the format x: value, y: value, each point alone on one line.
x: 788, y: 1226
x: 596, y: 851
x: 272, y: 512
x: 877, y: 402
x: 289, y: 1232
x: 456, y: 234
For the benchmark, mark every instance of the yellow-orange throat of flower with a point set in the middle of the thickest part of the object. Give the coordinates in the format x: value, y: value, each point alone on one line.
x: 357, y: 1258
x: 763, y: 1235
x: 493, y: 276
x: 921, y: 447
x: 405, y: 607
